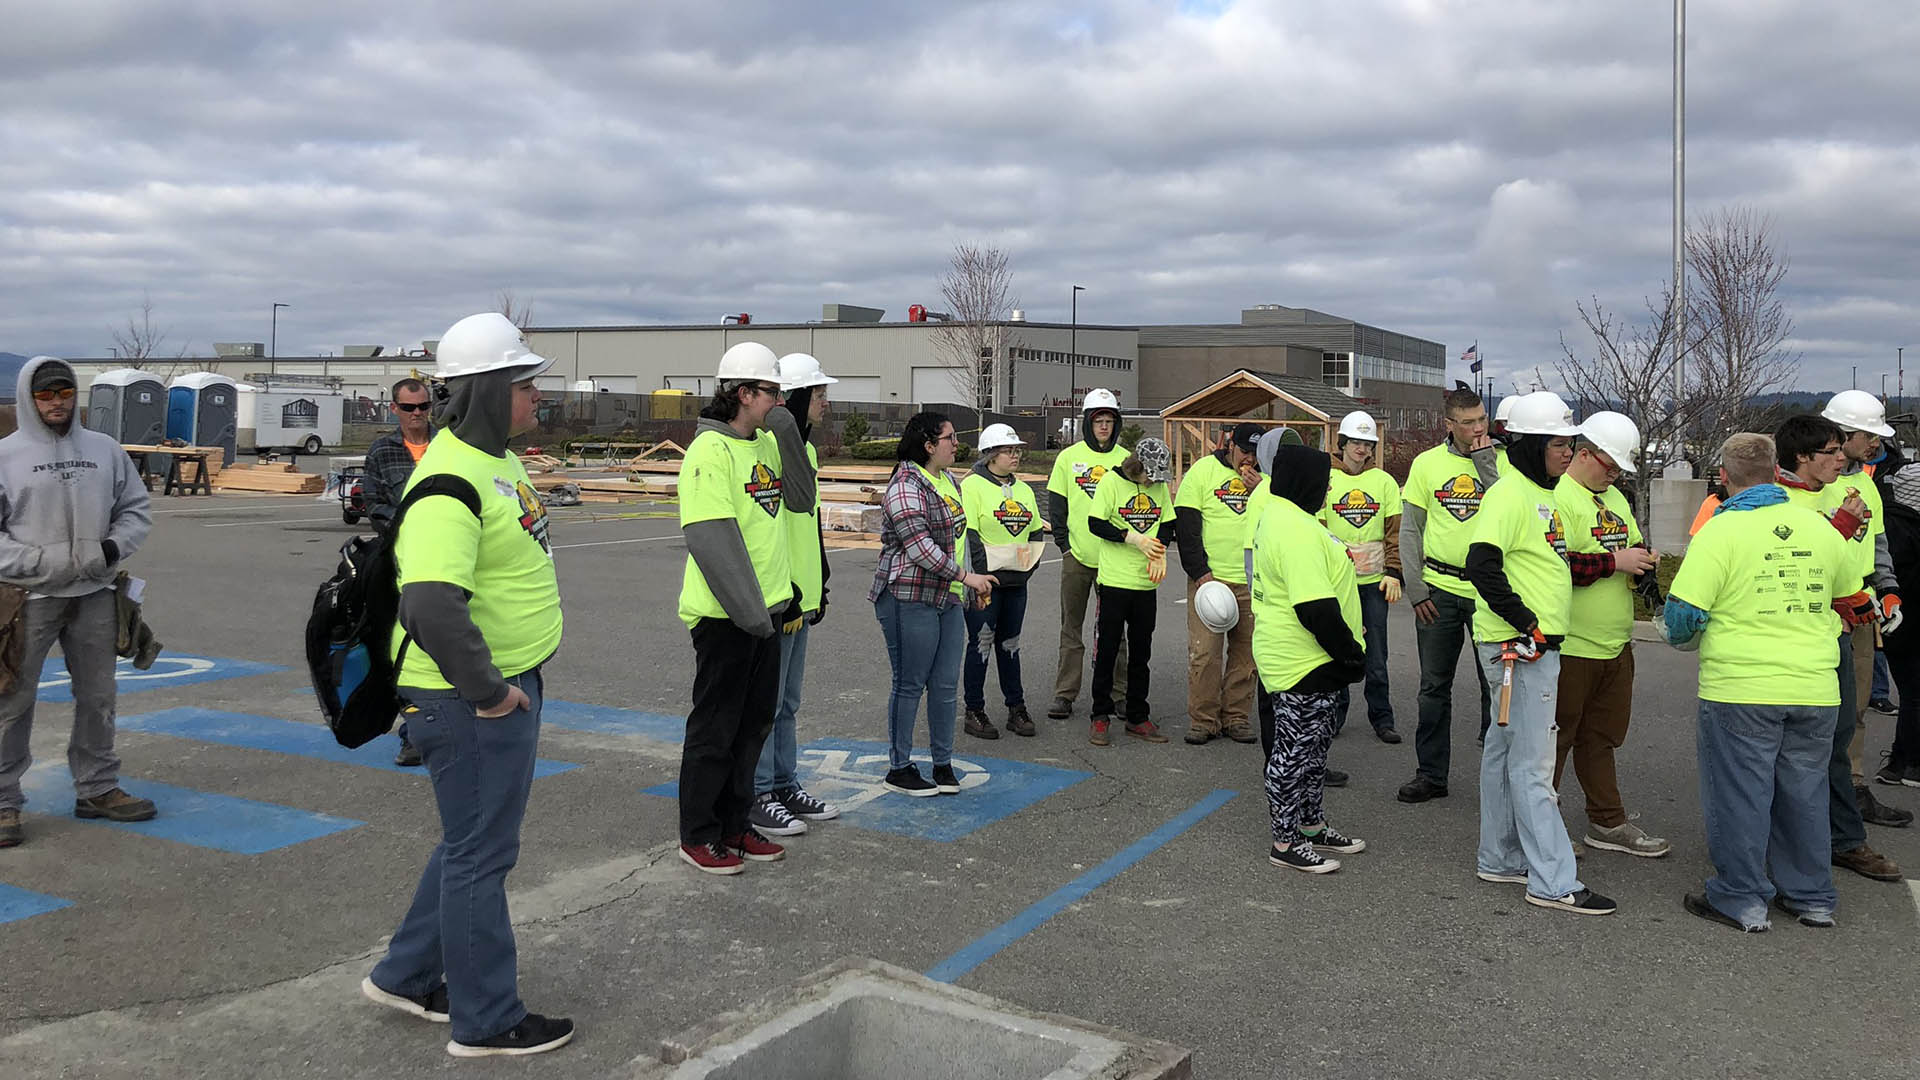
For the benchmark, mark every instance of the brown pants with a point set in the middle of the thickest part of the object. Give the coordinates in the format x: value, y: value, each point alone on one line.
x: 1219, y: 697
x: 1076, y: 585
x: 1863, y: 641
x: 1595, y: 703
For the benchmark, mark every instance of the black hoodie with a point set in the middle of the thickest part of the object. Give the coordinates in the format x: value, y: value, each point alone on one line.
x: 1057, y: 503
x: 1300, y: 476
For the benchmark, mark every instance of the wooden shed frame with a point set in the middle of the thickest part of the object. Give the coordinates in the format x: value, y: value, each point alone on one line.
x: 1236, y: 399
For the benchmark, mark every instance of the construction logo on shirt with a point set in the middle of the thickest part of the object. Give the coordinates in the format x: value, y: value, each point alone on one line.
x: 1461, y: 497
x: 1356, y: 508
x: 1013, y: 516
x: 1088, y: 477
x: 1233, y: 494
x: 1609, y: 528
x: 1782, y: 532
x: 1859, y: 534
x: 533, y: 514
x: 1140, y: 512
x: 953, y: 508
x: 764, y: 488
x: 1556, y: 531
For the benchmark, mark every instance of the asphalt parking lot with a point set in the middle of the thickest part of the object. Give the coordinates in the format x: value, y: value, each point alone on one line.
x: 1127, y: 886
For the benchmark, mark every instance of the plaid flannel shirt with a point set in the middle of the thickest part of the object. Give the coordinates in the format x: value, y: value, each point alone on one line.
x: 389, y: 466
x: 916, y: 542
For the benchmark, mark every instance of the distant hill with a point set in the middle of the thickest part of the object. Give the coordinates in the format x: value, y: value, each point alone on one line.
x: 9, y: 372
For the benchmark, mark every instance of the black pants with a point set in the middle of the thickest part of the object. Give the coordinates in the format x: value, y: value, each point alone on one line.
x: 1903, y: 663
x: 736, y: 687
x: 1129, y: 612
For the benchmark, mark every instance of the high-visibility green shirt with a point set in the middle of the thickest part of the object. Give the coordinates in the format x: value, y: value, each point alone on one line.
x: 1138, y: 508
x: 1767, y: 579
x: 1602, y: 621
x: 1357, y: 510
x: 1226, y: 526
x: 1522, y: 519
x: 1002, y: 513
x: 803, y: 544
x: 1077, y: 473
x: 501, y: 559
x: 951, y: 496
x: 727, y: 479
x: 1295, y: 560
x: 1446, y: 487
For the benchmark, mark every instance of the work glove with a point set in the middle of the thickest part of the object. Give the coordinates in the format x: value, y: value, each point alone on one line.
x: 1527, y: 649
x: 1150, y: 547
x: 1891, y: 615
x: 1157, y: 566
x: 1390, y: 589
x: 794, y: 615
x: 1856, y: 610
x: 822, y: 613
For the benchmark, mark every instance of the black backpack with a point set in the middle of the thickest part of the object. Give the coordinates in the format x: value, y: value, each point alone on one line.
x: 351, y: 627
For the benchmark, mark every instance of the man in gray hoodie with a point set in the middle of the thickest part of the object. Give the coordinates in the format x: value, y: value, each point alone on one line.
x: 72, y: 508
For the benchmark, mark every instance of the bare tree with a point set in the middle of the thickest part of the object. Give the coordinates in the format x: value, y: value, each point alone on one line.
x: 520, y: 315
x: 139, y: 343
x: 978, y: 292
x: 1737, y: 323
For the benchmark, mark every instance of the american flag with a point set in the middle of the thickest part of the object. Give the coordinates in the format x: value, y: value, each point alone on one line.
x: 1472, y: 357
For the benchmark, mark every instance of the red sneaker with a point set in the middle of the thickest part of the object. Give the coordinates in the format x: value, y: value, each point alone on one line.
x: 1147, y: 730
x: 751, y: 845
x: 1099, y: 736
x: 711, y: 858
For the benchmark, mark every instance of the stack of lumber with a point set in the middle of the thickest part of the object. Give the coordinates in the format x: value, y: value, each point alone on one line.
x: 837, y: 540
x: 540, y: 463
x: 282, y: 477
x: 214, y: 455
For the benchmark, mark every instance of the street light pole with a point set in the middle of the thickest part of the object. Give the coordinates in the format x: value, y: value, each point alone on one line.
x: 1679, y: 316
x: 273, y: 338
x: 1856, y: 376
x: 1073, y: 346
x: 1883, y: 388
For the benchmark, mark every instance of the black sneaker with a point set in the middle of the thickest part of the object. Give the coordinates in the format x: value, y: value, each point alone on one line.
x: 1819, y: 920
x: 1420, y: 789
x: 1875, y: 812
x: 1883, y: 706
x: 1336, y: 778
x: 979, y: 726
x: 945, y: 781
x: 1330, y: 839
x: 1890, y: 774
x: 1303, y: 858
x: 431, y: 1005
x: 1696, y: 904
x: 409, y: 754
x: 771, y: 817
x: 1060, y: 709
x: 1584, y: 902
x: 908, y: 781
x: 804, y: 806
x: 534, y: 1035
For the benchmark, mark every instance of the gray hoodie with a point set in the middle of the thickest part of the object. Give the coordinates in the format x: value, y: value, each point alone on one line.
x: 61, y: 497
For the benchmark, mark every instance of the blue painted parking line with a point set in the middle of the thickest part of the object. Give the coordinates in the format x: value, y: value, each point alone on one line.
x: 286, y: 737
x: 168, y: 671
x: 17, y: 903
x: 196, y: 818
x: 990, y: 943
x: 607, y: 720
x: 850, y: 773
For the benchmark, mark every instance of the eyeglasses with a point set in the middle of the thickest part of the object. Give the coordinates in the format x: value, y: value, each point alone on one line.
x: 952, y: 437
x: 413, y: 406
x: 766, y: 388
x: 1829, y: 451
x: 64, y: 393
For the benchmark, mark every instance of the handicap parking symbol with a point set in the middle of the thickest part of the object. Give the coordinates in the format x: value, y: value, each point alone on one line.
x: 852, y: 775
x: 167, y: 671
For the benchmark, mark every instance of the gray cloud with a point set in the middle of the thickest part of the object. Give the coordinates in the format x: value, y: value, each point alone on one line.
x: 1459, y: 170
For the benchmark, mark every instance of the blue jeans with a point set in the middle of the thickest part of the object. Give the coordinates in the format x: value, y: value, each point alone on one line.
x: 923, y: 645
x: 482, y: 770
x: 1373, y: 622
x: 1520, y: 826
x: 1005, y: 613
x: 781, y: 754
x: 1763, y: 793
x: 1882, y: 678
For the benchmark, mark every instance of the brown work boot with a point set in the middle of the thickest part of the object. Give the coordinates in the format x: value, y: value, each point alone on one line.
x: 1200, y: 736
x: 1241, y: 731
x: 11, y: 834
x: 115, y: 805
x: 1869, y: 863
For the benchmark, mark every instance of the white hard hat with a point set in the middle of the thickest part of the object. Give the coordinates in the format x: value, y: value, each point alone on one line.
x: 1358, y: 425
x: 486, y: 342
x: 1503, y: 411
x: 798, y: 370
x: 1100, y: 399
x: 1857, y: 410
x: 747, y: 362
x: 1216, y: 606
x: 1541, y: 413
x: 996, y: 436
x: 1155, y: 458
x: 1615, y: 435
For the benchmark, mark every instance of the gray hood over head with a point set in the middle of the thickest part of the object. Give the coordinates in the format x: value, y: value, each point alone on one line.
x: 479, y: 409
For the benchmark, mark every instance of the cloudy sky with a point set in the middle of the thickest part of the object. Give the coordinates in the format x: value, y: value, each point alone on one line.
x: 1457, y: 170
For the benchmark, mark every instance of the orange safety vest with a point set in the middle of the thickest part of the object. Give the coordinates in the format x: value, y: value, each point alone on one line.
x: 1707, y: 508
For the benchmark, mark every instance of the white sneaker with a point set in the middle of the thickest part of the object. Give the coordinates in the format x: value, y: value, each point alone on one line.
x: 771, y: 817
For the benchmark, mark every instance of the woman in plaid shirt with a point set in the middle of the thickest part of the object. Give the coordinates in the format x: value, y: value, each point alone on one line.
x: 917, y: 594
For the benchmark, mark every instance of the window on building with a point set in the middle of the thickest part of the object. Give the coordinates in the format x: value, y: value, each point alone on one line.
x: 1336, y: 369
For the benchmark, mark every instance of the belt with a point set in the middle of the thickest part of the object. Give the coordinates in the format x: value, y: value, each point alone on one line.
x: 1445, y: 568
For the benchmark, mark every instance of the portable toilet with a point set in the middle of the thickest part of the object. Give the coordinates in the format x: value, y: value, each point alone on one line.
x: 204, y: 410
x: 128, y: 404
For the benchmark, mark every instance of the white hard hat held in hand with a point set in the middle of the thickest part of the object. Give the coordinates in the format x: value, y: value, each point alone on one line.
x: 1216, y: 607
x: 999, y: 435
x: 1857, y: 410
x: 798, y: 371
x: 486, y: 342
x: 1615, y: 435
x: 747, y: 362
x: 1541, y: 413
x: 1358, y: 425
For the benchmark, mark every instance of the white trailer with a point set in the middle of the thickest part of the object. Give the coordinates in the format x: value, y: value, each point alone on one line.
x: 301, y: 419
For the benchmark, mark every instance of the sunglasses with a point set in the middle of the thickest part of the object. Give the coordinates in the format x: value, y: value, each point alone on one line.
x: 413, y: 406
x: 64, y: 393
